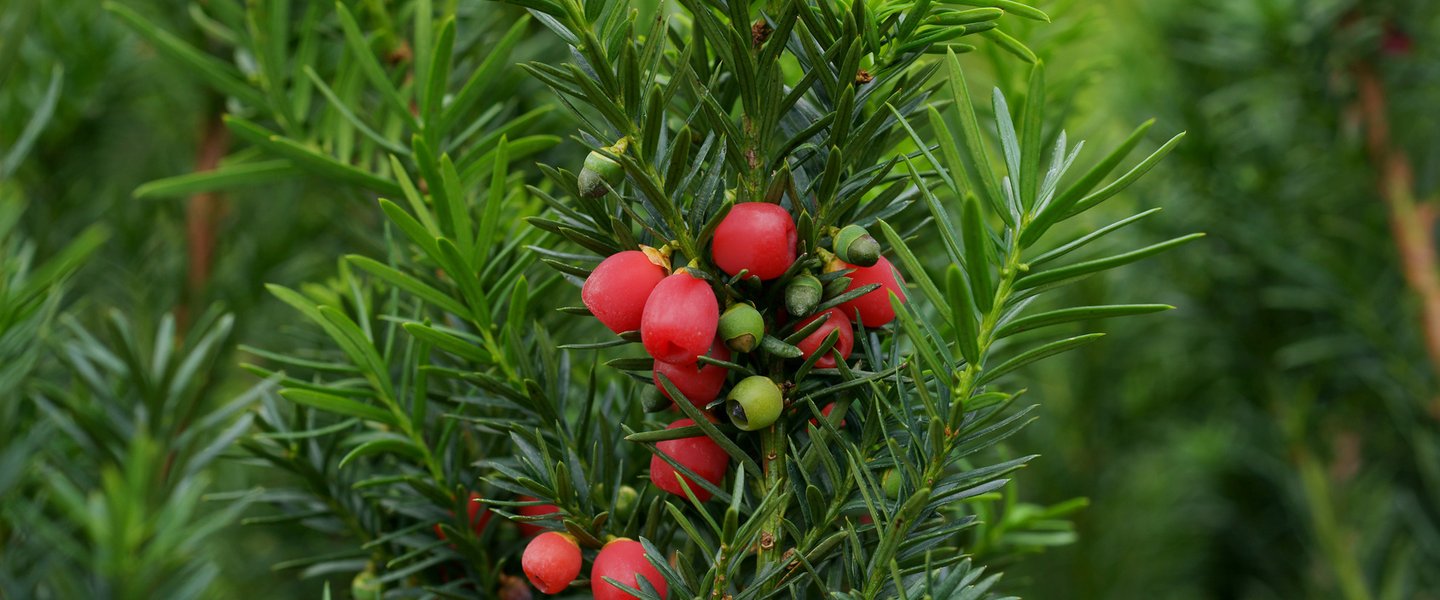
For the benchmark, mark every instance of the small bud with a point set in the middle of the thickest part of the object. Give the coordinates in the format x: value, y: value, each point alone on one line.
x: 837, y: 286
x: 855, y: 245
x: 754, y: 403
x: 803, y: 295
x: 601, y: 173
x: 742, y: 327
x: 625, y: 501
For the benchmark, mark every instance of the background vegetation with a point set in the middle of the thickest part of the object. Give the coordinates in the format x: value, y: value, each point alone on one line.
x: 1276, y: 437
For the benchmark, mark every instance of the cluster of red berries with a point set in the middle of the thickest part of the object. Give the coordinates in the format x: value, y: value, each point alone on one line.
x: 553, y: 560
x: 679, y: 319
x: 479, y: 518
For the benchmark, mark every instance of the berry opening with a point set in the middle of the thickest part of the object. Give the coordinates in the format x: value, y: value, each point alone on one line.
x: 737, y: 413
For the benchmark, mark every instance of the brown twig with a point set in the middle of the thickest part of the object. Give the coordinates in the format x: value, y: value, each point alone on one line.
x: 1412, y: 221
x: 201, y: 214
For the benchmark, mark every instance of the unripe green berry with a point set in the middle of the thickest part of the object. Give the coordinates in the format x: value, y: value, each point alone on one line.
x: 742, y: 327
x: 855, y: 245
x: 601, y: 173
x: 890, y: 482
x: 803, y: 295
x: 625, y: 501
x: 754, y: 403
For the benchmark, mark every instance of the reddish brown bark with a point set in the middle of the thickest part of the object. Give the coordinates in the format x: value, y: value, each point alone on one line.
x: 1412, y: 221
x: 202, y: 213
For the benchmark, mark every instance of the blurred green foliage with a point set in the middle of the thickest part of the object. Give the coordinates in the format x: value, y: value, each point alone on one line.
x: 1277, y: 438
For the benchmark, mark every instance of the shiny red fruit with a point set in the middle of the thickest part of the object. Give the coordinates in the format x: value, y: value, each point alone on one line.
x: 837, y: 322
x: 699, y: 454
x: 825, y: 411
x: 616, y: 291
x: 531, y: 529
x: 551, y: 561
x: 622, y: 560
x: 699, y: 383
x: 874, y: 308
x: 479, y: 517
x: 680, y: 319
x: 757, y: 236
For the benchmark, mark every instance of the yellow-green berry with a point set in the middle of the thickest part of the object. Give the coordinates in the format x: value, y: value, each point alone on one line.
x: 854, y: 245
x: 601, y: 172
x: 754, y: 403
x: 890, y: 482
x: 742, y: 327
x: 625, y: 501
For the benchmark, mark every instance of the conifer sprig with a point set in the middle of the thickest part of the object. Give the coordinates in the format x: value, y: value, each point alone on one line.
x: 435, y: 377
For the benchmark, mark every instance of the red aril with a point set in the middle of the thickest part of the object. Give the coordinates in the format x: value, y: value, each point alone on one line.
x: 479, y: 518
x: 616, y: 291
x: 551, y: 561
x: 700, y: 383
x: 755, y: 236
x: 539, y: 510
x: 680, y: 319
x: 874, y: 307
x: 622, y: 560
x: 699, y: 454
x: 837, y: 322
x: 825, y: 412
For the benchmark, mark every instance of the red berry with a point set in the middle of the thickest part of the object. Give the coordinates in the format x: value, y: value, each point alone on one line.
x: 622, y: 560
x: 531, y: 529
x: 825, y: 412
x: 874, y: 307
x: 680, y: 319
x: 699, y: 454
x: 837, y: 322
x: 551, y: 561
x: 1395, y: 42
x: 699, y: 383
x: 479, y: 517
x: 615, y: 292
x: 757, y: 236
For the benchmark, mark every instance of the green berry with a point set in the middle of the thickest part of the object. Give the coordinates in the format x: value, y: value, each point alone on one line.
x: 625, y: 501
x: 890, y: 482
x: 601, y: 173
x: 742, y: 327
x: 803, y: 295
x: 754, y: 403
x: 855, y: 245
